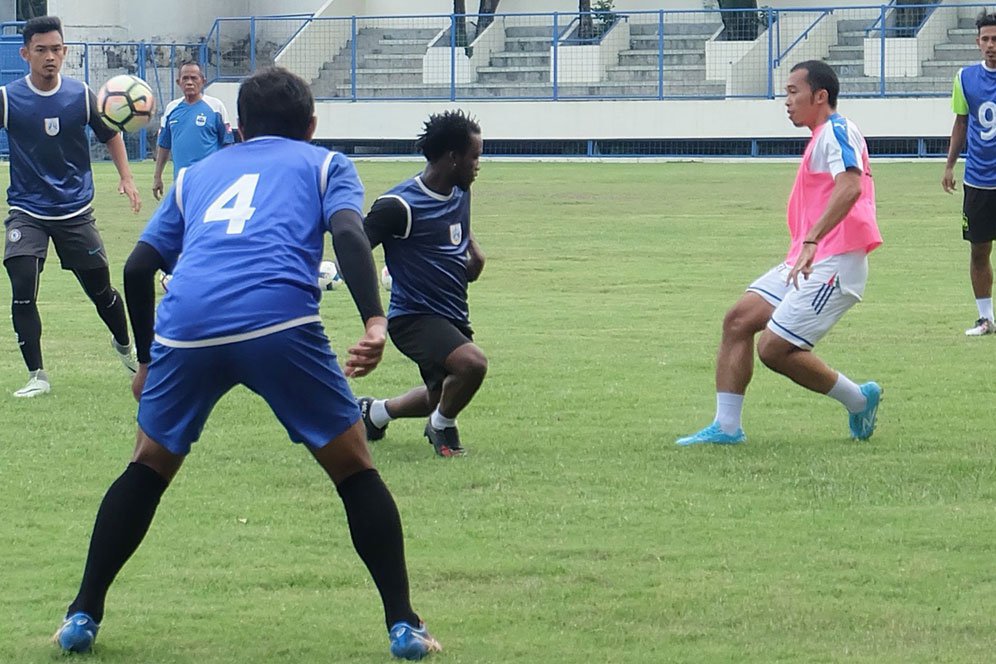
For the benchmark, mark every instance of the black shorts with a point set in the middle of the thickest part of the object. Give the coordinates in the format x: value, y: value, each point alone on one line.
x: 978, y: 215
x: 76, y: 240
x: 428, y: 340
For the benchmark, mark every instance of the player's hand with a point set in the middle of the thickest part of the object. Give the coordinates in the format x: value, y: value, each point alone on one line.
x: 138, y: 381
x: 368, y: 351
x: 803, y: 265
x: 127, y: 188
x: 948, y: 181
x: 157, y: 187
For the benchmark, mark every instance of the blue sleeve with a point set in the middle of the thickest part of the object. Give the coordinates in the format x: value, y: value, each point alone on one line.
x: 343, y: 189
x: 224, y: 131
x: 847, y: 152
x: 165, y: 135
x: 164, y: 232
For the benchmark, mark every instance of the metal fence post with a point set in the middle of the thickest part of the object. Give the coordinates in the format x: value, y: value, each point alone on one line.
x: 769, y: 14
x: 352, y: 57
x: 556, y: 44
x: 660, y: 54
x: 453, y: 31
x: 252, y: 44
x: 881, y: 51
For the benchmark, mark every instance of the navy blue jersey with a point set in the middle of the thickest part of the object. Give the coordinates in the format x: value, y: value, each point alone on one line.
x: 249, y: 221
x: 50, y: 175
x: 425, y: 250
x: 974, y: 95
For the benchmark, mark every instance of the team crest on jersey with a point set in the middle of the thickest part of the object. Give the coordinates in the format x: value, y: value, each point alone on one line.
x: 201, y: 120
x: 52, y: 126
x: 456, y: 233
x: 14, y: 235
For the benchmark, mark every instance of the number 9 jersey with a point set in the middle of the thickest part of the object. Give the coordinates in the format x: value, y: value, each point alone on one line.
x: 974, y: 95
x: 242, y: 232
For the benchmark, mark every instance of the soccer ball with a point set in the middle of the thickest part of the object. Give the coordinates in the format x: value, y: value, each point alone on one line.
x: 164, y: 279
x: 385, y: 278
x: 126, y: 103
x: 328, y: 276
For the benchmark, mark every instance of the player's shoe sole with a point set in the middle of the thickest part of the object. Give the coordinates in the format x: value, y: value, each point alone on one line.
x: 77, y: 633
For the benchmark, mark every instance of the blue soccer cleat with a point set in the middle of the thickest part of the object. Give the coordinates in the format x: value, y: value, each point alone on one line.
x: 77, y: 633
x: 863, y: 424
x: 715, y: 435
x: 408, y: 642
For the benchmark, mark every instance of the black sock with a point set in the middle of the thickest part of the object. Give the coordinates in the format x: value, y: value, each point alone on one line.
x: 109, y: 303
x: 122, y: 521
x: 24, y: 272
x: 28, y: 327
x: 375, y: 526
x: 114, y: 317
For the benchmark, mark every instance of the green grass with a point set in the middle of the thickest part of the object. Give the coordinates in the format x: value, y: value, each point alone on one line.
x: 575, y: 530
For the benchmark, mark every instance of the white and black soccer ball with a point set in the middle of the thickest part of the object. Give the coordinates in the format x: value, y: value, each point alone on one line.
x: 126, y: 103
x: 328, y: 276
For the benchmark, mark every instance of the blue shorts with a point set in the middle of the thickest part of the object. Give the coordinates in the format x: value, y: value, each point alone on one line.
x: 295, y: 371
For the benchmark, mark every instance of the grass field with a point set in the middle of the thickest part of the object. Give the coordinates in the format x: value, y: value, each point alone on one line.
x: 575, y: 530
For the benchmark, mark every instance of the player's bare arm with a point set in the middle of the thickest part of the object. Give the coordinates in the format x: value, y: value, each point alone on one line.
x: 959, y: 134
x: 126, y: 186
x: 846, y: 192
x: 162, y: 156
x: 475, y: 259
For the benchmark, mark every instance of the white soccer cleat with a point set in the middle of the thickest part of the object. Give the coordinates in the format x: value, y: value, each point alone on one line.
x: 127, y: 355
x: 982, y: 327
x: 36, y: 387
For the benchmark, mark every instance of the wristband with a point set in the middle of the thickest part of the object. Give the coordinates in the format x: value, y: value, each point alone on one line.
x: 810, y: 242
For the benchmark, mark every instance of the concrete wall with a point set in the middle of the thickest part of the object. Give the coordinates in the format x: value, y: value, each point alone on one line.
x: 731, y: 118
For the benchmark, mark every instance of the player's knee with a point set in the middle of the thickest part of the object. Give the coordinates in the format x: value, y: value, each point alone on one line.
x: 771, y: 353
x: 736, y: 324
x: 472, y: 364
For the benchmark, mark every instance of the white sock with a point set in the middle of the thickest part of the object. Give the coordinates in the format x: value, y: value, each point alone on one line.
x: 440, y: 421
x: 39, y: 374
x: 729, y: 407
x: 985, y: 305
x: 848, y: 393
x: 378, y: 413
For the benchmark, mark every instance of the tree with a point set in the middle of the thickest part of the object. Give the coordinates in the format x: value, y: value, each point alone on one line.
x: 485, y: 15
x: 586, y: 29
x: 460, y: 21
x: 27, y: 9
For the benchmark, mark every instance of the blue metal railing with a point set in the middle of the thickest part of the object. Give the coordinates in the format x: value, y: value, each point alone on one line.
x: 780, y: 57
x: 774, y: 41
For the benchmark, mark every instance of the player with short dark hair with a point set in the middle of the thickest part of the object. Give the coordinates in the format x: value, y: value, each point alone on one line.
x: 192, y: 126
x: 242, y: 233
x: 973, y: 100
x: 832, y: 226
x: 431, y: 253
x: 51, y: 194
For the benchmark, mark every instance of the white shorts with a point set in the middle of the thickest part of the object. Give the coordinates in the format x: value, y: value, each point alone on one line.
x: 804, y: 316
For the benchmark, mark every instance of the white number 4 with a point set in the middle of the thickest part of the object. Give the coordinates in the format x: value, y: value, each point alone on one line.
x: 234, y: 205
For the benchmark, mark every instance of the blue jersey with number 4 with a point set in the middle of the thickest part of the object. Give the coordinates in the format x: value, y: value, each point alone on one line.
x: 242, y: 232
x: 974, y: 95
